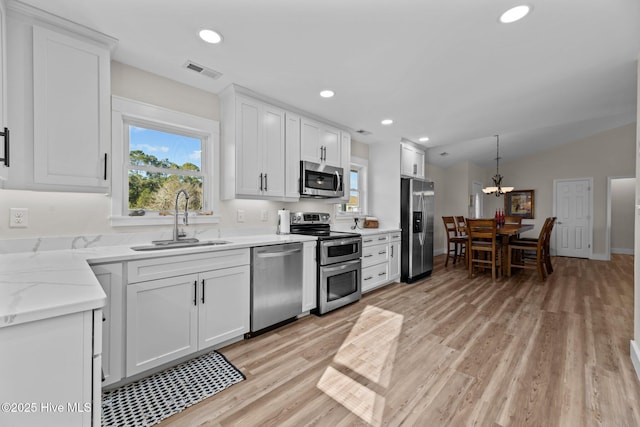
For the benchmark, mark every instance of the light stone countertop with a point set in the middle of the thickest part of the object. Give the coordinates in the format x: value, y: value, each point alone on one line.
x: 43, y: 284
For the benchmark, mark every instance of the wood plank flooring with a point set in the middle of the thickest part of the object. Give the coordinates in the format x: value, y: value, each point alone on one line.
x: 447, y: 351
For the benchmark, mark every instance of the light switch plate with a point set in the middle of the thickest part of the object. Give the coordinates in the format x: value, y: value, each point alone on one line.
x: 264, y: 215
x: 18, y: 218
x: 240, y: 215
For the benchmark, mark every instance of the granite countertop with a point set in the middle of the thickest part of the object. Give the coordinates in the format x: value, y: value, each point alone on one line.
x: 38, y: 285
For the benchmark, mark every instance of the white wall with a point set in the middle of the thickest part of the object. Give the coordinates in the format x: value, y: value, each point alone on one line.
x: 623, y: 192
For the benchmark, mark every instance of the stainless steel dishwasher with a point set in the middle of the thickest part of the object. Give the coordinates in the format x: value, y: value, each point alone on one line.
x: 276, y: 285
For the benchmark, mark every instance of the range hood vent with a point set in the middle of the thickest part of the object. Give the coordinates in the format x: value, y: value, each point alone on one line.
x: 209, y: 72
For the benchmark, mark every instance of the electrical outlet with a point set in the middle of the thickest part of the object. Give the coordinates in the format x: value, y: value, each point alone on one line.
x: 240, y: 215
x: 264, y: 215
x: 18, y: 217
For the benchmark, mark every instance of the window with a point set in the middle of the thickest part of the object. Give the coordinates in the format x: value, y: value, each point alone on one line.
x: 161, y: 163
x: 357, y: 204
x: 157, y: 152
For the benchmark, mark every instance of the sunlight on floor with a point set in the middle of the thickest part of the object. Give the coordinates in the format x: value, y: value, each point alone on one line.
x: 368, y: 352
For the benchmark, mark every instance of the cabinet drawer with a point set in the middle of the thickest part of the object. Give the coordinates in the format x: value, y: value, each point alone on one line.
x: 376, y: 239
x: 159, y: 268
x: 396, y: 236
x: 376, y: 254
x: 374, y: 276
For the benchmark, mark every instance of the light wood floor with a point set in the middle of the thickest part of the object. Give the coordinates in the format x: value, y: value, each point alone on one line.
x: 448, y: 351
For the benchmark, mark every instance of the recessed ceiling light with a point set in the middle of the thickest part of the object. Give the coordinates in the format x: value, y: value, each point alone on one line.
x: 327, y: 93
x: 210, y: 36
x: 387, y: 122
x: 515, y: 14
x: 423, y: 139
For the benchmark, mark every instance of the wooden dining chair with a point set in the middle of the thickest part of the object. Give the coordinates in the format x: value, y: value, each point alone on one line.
x: 483, y: 247
x: 461, y: 225
x: 546, y: 243
x: 531, y: 252
x: 455, y: 244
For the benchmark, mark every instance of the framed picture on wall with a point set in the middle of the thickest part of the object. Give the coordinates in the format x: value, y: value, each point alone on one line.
x: 519, y: 203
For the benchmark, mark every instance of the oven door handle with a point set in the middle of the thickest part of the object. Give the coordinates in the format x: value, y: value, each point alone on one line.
x: 347, y: 265
x: 341, y: 242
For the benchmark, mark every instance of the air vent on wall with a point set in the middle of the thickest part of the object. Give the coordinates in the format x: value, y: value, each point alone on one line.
x: 363, y: 132
x: 203, y: 70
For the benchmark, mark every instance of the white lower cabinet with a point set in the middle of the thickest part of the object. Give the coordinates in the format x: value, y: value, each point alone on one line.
x: 380, y: 259
x: 309, y: 277
x: 172, y: 317
x: 53, y: 367
x: 394, y: 255
x: 110, y: 277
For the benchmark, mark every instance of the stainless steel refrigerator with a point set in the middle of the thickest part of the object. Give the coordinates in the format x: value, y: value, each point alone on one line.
x: 416, y: 220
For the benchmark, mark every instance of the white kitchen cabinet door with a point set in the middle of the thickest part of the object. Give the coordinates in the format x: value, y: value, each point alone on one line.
x: 394, y: 260
x: 47, y: 363
x: 223, y: 305
x: 309, y: 277
x: 331, y: 141
x: 273, y: 151
x: 260, y: 149
x: 310, y: 145
x: 292, y: 156
x: 320, y: 143
x: 162, y: 318
x: 71, y: 111
x: 249, y: 147
x: 411, y: 161
x: 4, y: 169
x: 111, y: 280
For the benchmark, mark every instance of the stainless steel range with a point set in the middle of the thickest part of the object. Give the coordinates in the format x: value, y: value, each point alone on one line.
x: 339, y: 277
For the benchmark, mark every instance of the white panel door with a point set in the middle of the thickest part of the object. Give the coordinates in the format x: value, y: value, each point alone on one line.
x: 110, y: 278
x: 162, y: 318
x: 223, y: 301
x: 249, y: 147
x: 292, y: 150
x: 330, y: 142
x: 273, y: 151
x: 573, y: 212
x: 71, y: 98
x: 310, y: 141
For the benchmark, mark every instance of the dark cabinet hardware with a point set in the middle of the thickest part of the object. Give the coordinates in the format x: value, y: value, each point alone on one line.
x: 195, y: 292
x: 5, y: 159
x: 203, y: 291
x: 105, y: 166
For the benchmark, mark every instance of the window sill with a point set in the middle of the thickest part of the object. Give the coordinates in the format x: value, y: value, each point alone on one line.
x: 154, y: 219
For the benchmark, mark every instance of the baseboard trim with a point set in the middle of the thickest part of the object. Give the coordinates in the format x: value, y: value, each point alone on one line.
x: 622, y: 251
x: 439, y: 252
x: 635, y: 357
x: 600, y: 257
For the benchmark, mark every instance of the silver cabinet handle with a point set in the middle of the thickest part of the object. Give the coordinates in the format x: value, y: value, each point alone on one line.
x: 265, y: 182
x: 382, y: 252
x: 381, y: 274
x: 382, y: 238
x: 368, y: 278
x: 391, y: 251
x: 5, y: 159
x: 260, y: 182
x: 368, y: 241
x: 368, y: 256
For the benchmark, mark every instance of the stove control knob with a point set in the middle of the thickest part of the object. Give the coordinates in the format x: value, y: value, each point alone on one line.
x: 295, y: 218
x: 325, y: 217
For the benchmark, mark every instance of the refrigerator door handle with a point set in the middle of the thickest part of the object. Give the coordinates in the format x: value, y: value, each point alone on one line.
x: 421, y: 235
x: 424, y: 215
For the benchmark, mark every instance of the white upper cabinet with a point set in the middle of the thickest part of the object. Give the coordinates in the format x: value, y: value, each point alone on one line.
x: 253, y: 148
x: 59, y: 93
x: 292, y: 156
x: 71, y: 111
x: 412, y: 161
x: 4, y: 139
x: 320, y: 143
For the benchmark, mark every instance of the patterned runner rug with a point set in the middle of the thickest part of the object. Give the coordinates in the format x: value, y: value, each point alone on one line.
x: 150, y: 400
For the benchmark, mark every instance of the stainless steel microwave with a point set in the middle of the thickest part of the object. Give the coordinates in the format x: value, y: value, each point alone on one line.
x: 320, y: 180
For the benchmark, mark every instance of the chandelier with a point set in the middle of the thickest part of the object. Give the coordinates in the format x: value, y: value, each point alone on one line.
x: 497, y: 188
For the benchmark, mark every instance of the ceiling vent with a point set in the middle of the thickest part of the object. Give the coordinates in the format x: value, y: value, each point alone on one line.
x: 209, y: 72
x: 444, y: 154
x: 363, y: 132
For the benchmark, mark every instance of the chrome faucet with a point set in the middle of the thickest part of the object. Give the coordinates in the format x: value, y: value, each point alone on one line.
x: 185, y: 221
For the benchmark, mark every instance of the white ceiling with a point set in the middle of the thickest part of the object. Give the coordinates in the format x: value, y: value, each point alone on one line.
x: 441, y: 68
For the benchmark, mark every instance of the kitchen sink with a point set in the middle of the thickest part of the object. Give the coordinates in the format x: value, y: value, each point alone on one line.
x: 171, y: 244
